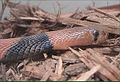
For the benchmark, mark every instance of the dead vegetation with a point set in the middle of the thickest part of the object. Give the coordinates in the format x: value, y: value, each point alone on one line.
x: 101, y: 62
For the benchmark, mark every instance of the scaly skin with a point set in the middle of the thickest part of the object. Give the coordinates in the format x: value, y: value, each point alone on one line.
x: 17, y: 48
x: 5, y: 45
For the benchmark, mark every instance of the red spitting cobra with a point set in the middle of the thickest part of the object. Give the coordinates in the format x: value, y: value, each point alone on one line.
x: 17, y: 48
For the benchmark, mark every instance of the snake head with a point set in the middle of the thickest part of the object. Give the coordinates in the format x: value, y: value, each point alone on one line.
x: 99, y: 36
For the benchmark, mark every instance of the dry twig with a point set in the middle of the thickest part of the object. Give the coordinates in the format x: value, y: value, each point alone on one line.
x: 4, y: 5
x: 92, y: 58
x: 88, y: 74
x: 106, y: 14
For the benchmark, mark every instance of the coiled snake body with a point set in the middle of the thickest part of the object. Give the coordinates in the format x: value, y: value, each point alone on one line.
x: 15, y: 48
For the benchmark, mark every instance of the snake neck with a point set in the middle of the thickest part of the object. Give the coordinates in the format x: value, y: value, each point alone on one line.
x: 71, y: 37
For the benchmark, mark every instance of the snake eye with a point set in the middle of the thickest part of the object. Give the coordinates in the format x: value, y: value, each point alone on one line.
x: 96, y: 34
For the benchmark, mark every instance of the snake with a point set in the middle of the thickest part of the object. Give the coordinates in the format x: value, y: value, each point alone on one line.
x: 23, y: 47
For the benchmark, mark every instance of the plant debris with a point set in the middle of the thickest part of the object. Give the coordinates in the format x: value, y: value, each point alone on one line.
x: 100, y: 62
